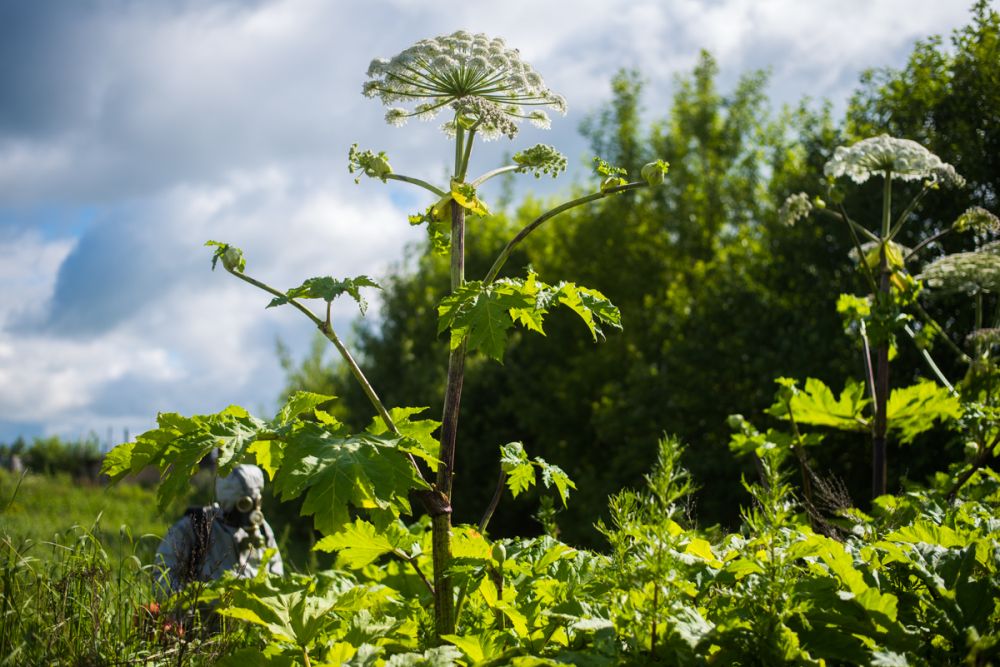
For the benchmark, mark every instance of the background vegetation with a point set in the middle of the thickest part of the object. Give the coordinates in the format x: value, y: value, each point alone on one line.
x: 718, y: 299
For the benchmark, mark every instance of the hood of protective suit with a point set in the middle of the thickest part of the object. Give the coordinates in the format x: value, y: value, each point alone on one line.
x: 245, y: 480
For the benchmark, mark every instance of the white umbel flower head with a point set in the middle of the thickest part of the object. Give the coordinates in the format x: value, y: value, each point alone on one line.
x: 964, y: 272
x: 457, y: 69
x: 906, y: 160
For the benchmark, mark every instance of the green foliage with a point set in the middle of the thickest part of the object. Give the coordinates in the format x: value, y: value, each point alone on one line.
x: 911, y: 410
x: 328, y: 289
x: 521, y: 472
x: 305, y: 450
x: 484, y: 313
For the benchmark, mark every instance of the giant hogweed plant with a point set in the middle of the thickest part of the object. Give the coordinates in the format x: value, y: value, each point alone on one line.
x: 892, y: 305
x: 356, y: 486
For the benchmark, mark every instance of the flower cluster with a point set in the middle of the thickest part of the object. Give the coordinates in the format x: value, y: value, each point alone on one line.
x: 456, y: 69
x: 964, y: 273
x: 904, y: 159
x: 795, y: 208
x: 979, y: 220
x: 540, y: 159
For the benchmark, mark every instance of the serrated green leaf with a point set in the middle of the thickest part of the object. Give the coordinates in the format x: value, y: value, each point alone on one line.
x: 442, y: 656
x: 816, y: 405
x: 476, y: 647
x: 361, y: 544
x: 328, y: 289
x: 520, y: 472
x: 553, y: 475
x: 418, y: 434
x: 299, y: 403
x: 915, y: 409
x: 180, y: 443
x: 336, y: 472
x: 593, y: 307
x: 484, y: 313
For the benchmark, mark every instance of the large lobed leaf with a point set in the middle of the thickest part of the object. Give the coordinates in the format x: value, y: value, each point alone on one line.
x: 817, y: 405
x: 483, y: 313
x: 915, y: 409
x: 328, y: 289
x: 303, y: 449
x: 336, y: 471
x: 180, y: 443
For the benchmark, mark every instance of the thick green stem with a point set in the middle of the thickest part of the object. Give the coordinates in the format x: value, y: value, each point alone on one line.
x: 444, y: 599
x: 416, y: 181
x: 548, y: 215
x: 490, y: 174
x: 880, y: 426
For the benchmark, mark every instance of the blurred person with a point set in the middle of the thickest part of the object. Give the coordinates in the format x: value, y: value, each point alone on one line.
x: 229, y: 535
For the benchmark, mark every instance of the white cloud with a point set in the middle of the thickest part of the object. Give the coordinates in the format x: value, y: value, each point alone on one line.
x: 177, y: 123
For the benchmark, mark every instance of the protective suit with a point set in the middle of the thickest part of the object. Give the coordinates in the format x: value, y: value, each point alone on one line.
x: 230, y: 534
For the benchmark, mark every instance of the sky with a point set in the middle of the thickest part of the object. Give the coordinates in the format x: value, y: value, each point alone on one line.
x: 133, y: 131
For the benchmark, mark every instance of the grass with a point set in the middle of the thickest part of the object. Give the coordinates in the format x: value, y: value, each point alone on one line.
x: 76, y: 584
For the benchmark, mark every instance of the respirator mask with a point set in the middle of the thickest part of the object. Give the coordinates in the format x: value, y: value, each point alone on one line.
x: 252, y: 518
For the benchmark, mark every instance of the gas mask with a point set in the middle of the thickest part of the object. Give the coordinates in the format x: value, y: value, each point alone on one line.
x: 247, y: 515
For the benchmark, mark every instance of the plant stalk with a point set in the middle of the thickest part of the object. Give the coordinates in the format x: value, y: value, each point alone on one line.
x: 444, y: 599
x: 880, y: 426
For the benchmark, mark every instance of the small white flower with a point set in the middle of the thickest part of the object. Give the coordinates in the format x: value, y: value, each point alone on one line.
x: 437, y: 73
x: 904, y: 159
x: 396, y: 116
x: 540, y: 119
x: 795, y: 208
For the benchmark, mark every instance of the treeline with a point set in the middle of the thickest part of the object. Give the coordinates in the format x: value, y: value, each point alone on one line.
x: 718, y: 297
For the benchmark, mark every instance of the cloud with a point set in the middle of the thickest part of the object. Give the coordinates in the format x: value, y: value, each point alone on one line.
x: 132, y: 132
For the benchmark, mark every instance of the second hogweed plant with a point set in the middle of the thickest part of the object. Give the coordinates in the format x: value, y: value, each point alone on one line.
x: 356, y: 486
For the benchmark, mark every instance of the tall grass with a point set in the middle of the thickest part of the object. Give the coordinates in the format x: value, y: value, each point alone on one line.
x: 85, y: 595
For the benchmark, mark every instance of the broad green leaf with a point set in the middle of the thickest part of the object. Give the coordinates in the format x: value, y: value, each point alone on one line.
x: 180, y: 443
x: 553, y: 475
x: 336, y: 472
x: 299, y: 403
x: 442, y: 656
x: 476, y: 647
x: 913, y: 410
x: 700, y: 548
x: 418, y: 432
x: 328, y: 289
x: 928, y: 533
x: 816, y: 405
x: 484, y: 313
x: 252, y: 657
x: 593, y: 307
x: 361, y: 544
x: 520, y: 472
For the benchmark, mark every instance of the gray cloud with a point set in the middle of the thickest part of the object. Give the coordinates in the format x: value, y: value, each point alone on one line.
x: 132, y: 131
